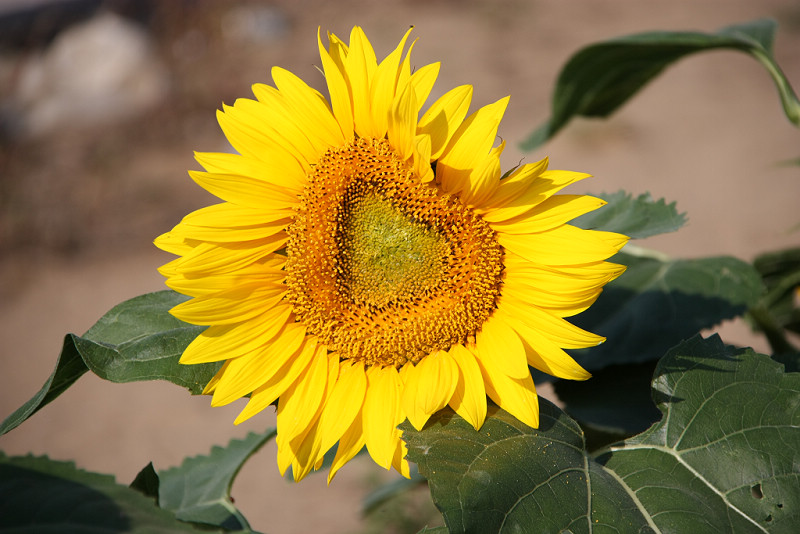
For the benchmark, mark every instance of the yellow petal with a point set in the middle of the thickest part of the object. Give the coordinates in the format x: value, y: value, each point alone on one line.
x: 469, y: 146
x: 344, y: 404
x: 551, y: 213
x: 543, y: 354
x: 281, y: 169
x: 422, y: 81
x: 565, y: 245
x: 248, y: 125
x: 403, y: 123
x: 209, y: 258
x: 514, y: 198
x: 444, y: 116
x: 293, y: 368
x: 561, y: 332
x: 360, y: 65
x: 516, y: 396
x: 212, y: 384
x: 429, y: 386
x: 469, y: 397
x: 309, y: 106
x: 251, y: 371
x: 338, y: 50
x: 197, y: 286
x: 298, y: 406
x: 496, y: 341
x: 228, y: 234
x: 399, y: 461
x: 563, y: 278
x: 268, y: 117
x: 232, y: 306
x: 338, y: 89
x: 349, y: 445
x: 245, y: 191
x: 484, y: 179
x: 422, y: 158
x: 560, y: 304
x: 174, y: 244
x: 383, y: 87
x: 382, y: 413
x: 226, y: 215
x: 228, y: 341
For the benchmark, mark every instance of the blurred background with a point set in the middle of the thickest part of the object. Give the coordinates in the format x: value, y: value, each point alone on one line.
x: 102, y: 104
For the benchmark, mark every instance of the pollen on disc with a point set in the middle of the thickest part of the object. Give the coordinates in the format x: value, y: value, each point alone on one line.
x: 383, y: 268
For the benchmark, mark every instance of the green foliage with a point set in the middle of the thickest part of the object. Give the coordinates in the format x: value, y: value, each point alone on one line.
x: 386, y: 492
x: 146, y: 481
x: 37, y: 494
x: 616, y: 402
x: 41, y: 495
x: 199, y: 490
x: 722, y: 458
x: 598, y: 79
x: 637, y: 218
x: 659, y: 302
x: 137, y: 340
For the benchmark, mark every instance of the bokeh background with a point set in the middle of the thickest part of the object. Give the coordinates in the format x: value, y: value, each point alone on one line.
x: 103, y: 102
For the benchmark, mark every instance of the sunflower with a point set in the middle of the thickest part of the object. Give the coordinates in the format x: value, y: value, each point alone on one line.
x: 368, y: 265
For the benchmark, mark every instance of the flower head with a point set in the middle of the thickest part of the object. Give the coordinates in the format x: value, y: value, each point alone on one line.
x: 369, y: 265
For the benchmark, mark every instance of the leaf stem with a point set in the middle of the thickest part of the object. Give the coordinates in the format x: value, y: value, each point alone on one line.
x: 775, y: 335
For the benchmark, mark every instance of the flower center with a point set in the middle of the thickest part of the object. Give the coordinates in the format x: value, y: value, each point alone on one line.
x: 385, y: 269
x: 385, y: 255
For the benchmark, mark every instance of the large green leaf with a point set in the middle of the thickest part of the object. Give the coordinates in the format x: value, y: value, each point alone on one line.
x: 725, y: 455
x: 601, y: 77
x: 40, y: 495
x: 722, y: 459
x: 659, y: 302
x: 637, y: 218
x: 199, y: 490
x: 137, y: 340
x: 508, y: 477
x: 615, y: 401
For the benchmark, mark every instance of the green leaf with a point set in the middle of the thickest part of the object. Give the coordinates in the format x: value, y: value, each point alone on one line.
x: 386, y: 492
x: 724, y: 456
x: 41, y: 495
x: 615, y: 401
x: 601, y: 77
x: 781, y: 274
x: 722, y: 459
x: 146, y: 481
x: 199, y: 490
x: 659, y: 302
x: 637, y: 218
x: 508, y: 477
x: 137, y: 340
x: 69, y: 368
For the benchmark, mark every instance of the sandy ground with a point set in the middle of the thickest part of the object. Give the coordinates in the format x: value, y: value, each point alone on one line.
x: 708, y: 134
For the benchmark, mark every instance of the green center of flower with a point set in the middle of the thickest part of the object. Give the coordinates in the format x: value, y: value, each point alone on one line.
x: 382, y: 268
x: 387, y: 256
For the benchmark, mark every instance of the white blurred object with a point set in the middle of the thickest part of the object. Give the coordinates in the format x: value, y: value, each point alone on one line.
x: 95, y: 72
x: 254, y: 24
